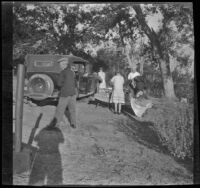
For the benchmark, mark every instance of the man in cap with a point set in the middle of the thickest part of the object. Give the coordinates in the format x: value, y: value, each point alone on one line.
x: 67, y: 83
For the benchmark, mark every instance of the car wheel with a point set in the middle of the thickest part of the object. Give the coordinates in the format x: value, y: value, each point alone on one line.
x: 41, y: 86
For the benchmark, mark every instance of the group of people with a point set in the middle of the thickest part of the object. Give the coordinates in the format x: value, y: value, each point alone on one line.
x: 67, y: 83
x: 138, y: 97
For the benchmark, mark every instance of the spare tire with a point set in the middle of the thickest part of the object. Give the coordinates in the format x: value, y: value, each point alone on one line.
x: 40, y: 86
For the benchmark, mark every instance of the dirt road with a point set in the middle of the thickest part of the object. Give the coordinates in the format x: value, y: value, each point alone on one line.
x: 101, y: 151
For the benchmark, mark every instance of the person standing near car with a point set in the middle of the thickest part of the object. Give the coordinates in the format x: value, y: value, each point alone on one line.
x: 67, y: 83
x: 102, y: 75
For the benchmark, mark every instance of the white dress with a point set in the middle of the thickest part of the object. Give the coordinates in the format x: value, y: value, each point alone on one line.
x: 118, y: 92
x: 102, y: 74
x: 139, y: 107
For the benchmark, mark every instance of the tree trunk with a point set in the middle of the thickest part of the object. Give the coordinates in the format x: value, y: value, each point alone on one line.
x: 141, y: 64
x: 127, y: 50
x: 167, y: 80
x: 163, y: 58
x: 131, y: 55
x: 130, y: 59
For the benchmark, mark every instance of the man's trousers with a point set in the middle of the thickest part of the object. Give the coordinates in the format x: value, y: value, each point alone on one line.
x: 63, y: 103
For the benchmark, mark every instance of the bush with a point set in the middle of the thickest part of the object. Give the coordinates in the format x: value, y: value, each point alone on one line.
x: 185, y: 91
x: 183, y: 86
x: 173, y: 122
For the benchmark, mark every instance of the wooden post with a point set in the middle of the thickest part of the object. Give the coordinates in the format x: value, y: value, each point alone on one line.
x: 19, y: 107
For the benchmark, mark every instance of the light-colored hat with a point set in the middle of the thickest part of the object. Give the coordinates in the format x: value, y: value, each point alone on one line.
x: 133, y: 75
x: 63, y: 59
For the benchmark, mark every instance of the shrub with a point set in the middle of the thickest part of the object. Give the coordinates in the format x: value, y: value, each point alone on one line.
x: 173, y: 122
x: 183, y: 85
x: 185, y: 91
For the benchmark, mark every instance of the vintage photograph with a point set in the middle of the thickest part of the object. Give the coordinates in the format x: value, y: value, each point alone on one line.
x: 103, y: 93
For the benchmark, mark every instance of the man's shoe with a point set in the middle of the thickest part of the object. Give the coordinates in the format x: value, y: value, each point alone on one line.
x: 73, y: 126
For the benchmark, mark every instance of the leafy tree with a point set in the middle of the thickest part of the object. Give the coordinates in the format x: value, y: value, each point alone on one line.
x: 122, y: 30
x: 130, y: 29
x: 162, y: 41
x: 50, y: 29
x: 33, y: 30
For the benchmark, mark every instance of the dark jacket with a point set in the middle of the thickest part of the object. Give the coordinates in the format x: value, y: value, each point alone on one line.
x: 140, y: 84
x: 67, y: 82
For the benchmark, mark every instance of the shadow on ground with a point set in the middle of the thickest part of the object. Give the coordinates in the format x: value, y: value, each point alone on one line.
x: 100, y: 103
x: 31, y: 137
x: 145, y: 133
x: 26, y: 148
x: 46, y: 159
x: 45, y: 102
x: 53, y: 102
x: 142, y: 132
x: 47, y: 166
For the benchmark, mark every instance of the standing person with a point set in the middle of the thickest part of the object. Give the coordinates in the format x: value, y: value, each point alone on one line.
x: 102, y: 75
x: 96, y: 82
x: 67, y: 98
x: 118, y: 92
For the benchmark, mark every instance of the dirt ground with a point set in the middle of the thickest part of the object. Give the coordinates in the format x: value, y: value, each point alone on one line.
x: 100, y: 151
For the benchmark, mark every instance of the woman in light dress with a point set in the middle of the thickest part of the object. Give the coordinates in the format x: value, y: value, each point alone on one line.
x: 118, y: 93
x: 102, y: 75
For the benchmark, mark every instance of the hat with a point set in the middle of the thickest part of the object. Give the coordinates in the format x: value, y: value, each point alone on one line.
x: 133, y: 75
x: 63, y: 59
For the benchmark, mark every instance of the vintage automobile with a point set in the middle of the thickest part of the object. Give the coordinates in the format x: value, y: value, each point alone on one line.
x: 42, y: 73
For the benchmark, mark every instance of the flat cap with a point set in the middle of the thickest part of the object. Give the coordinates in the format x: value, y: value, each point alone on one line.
x: 63, y: 59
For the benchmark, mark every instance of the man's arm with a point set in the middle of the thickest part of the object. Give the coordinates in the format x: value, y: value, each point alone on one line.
x: 75, y: 81
x: 112, y: 79
x: 61, y: 79
x: 98, y: 78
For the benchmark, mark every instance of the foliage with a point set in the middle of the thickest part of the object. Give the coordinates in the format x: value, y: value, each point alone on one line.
x: 174, y: 124
x: 33, y: 30
x: 51, y: 29
x: 129, y: 29
x: 111, y: 61
x: 65, y: 29
x: 184, y: 86
x: 110, y: 36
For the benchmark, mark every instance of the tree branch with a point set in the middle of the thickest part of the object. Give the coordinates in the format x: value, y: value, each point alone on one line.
x: 148, y: 31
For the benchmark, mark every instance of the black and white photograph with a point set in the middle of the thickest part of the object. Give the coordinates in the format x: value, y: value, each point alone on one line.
x: 103, y: 93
